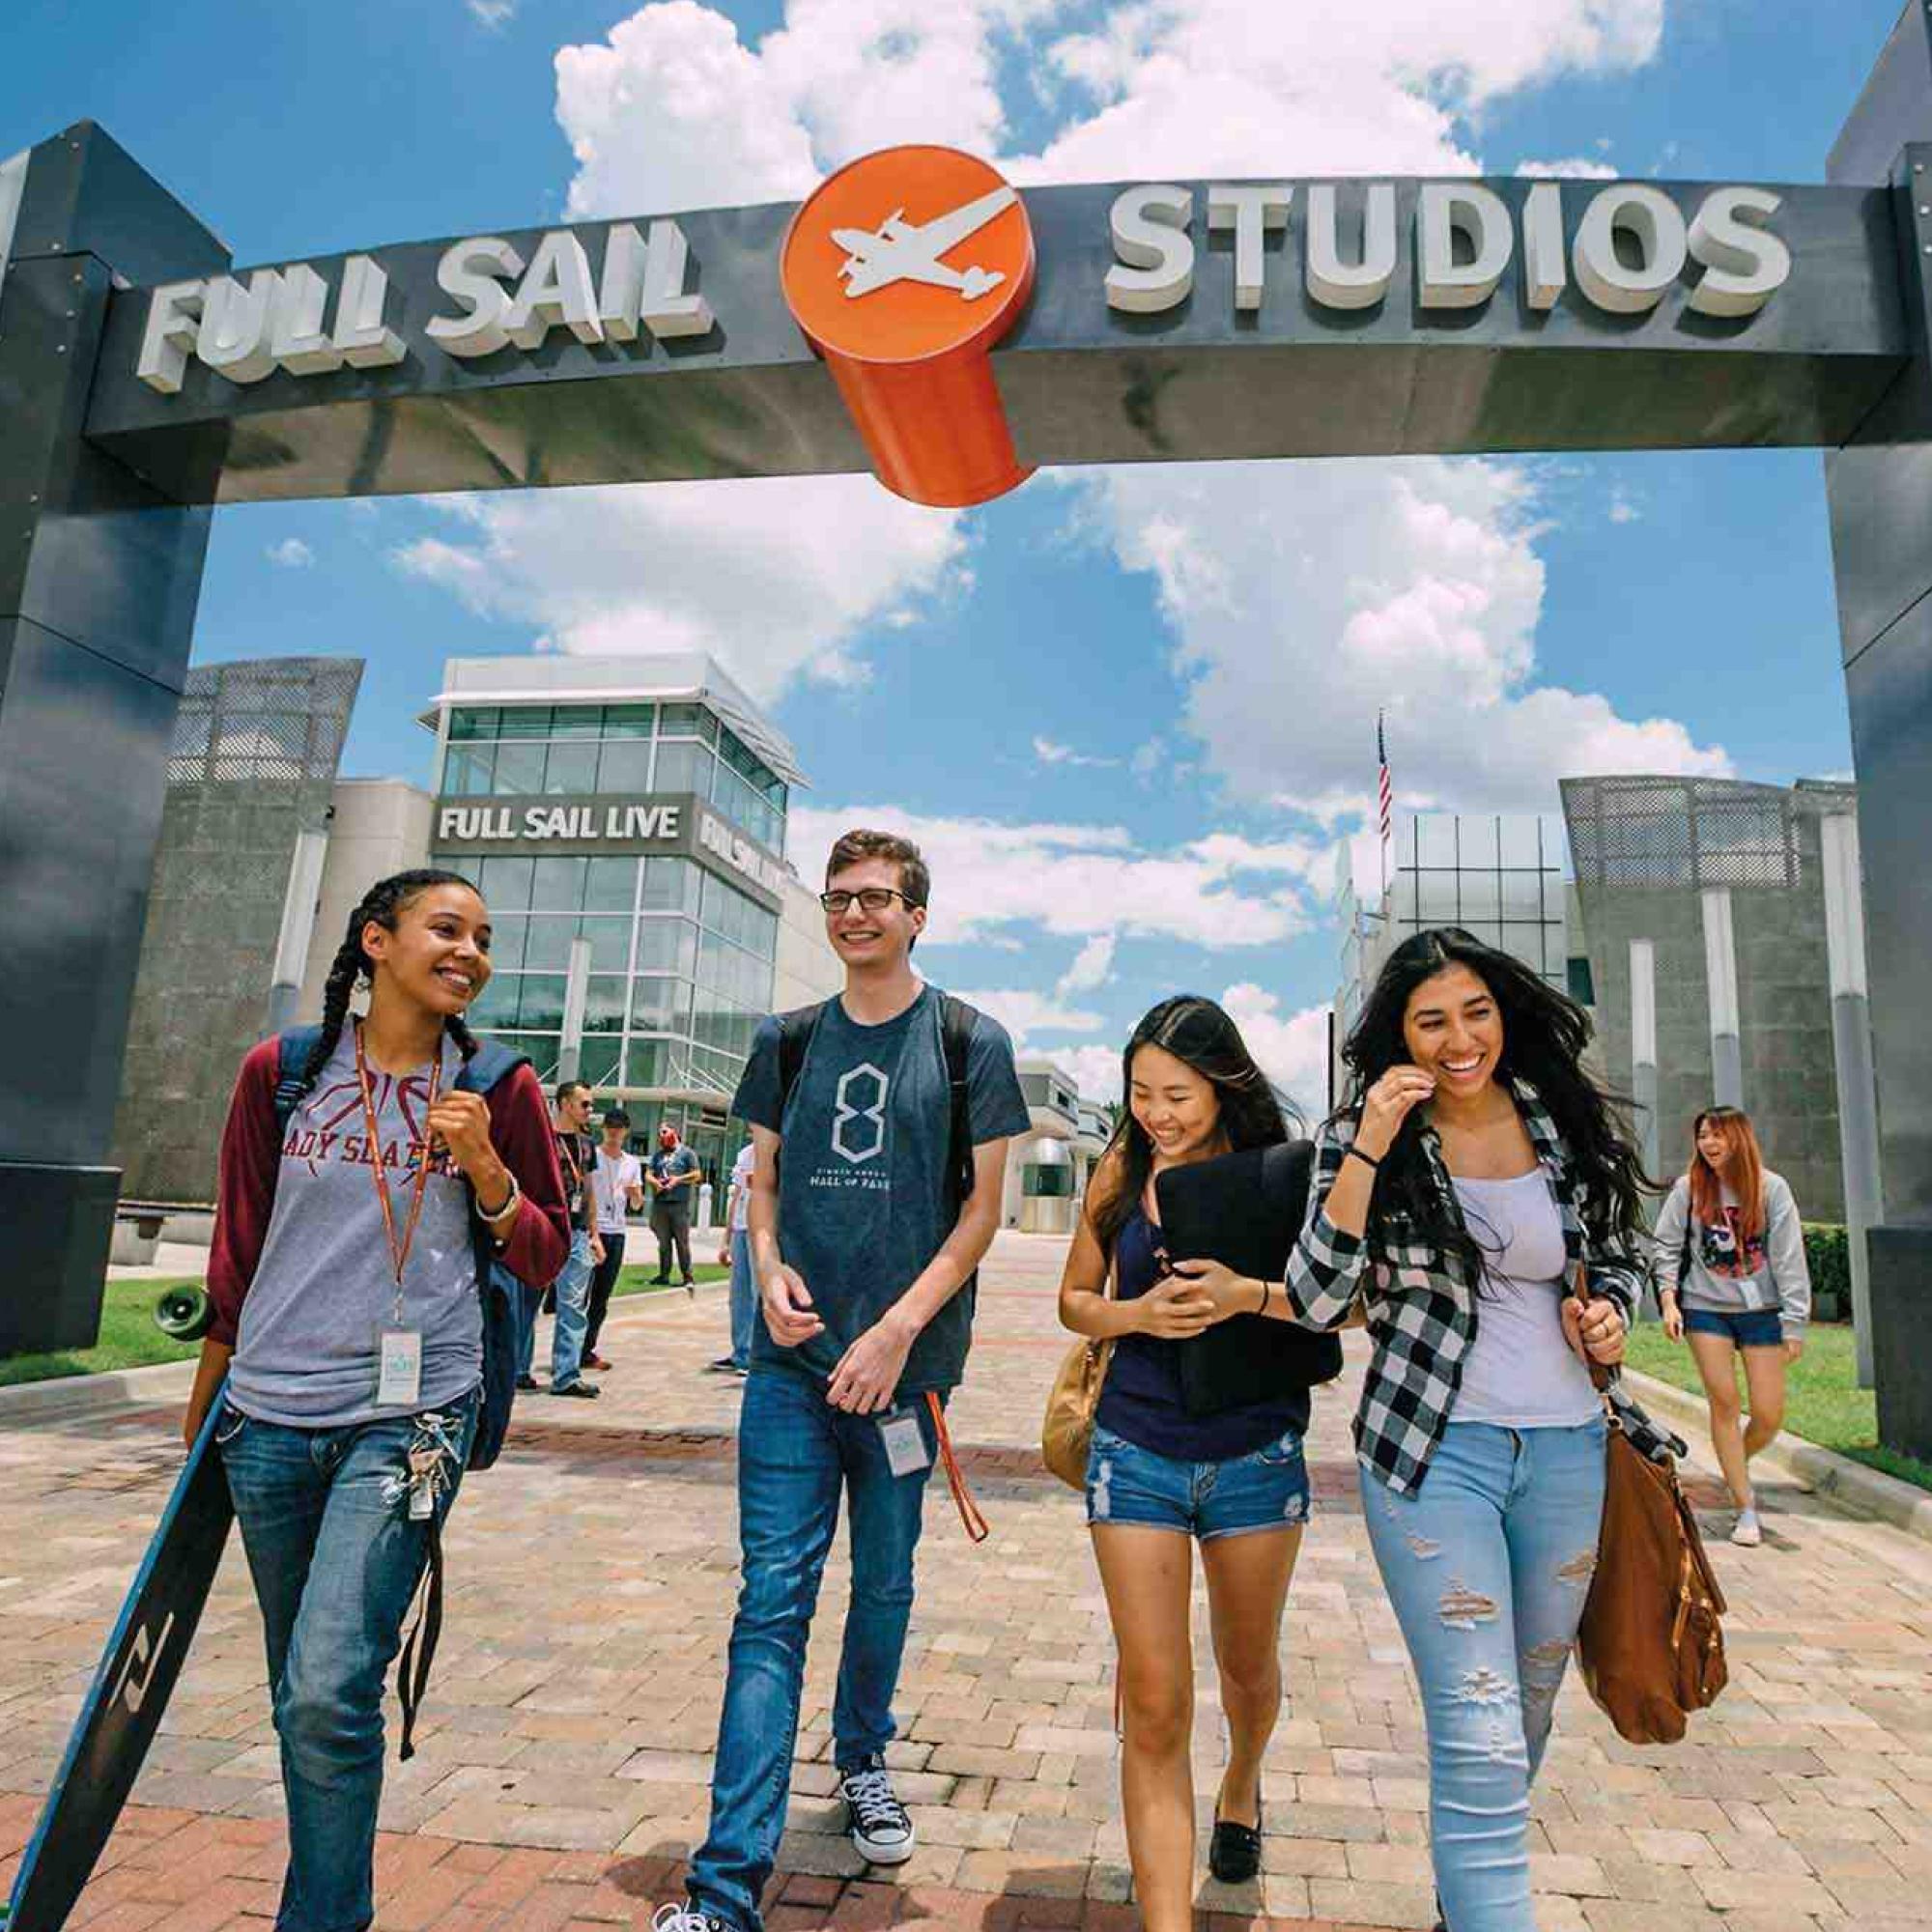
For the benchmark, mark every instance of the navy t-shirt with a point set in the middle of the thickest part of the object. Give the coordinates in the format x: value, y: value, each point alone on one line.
x: 1140, y: 1399
x: 863, y: 1196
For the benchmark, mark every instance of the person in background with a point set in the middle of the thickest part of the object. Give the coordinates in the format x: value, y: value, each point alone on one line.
x: 1731, y: 1276
x: 674, y: 1176
x: 616, y: 1189
x: 736, y: 1255
x: 1484, y: 1198
x: 575, y: 1153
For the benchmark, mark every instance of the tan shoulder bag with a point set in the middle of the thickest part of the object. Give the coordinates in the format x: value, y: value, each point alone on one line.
x: 1066, y: 1432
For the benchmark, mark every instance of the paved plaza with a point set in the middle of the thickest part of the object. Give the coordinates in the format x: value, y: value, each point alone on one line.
x: 564, y: 1752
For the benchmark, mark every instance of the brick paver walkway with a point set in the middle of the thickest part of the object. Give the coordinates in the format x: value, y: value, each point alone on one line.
x: 563, y: 1756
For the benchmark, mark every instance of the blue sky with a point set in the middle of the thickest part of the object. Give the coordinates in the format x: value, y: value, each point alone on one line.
x: 1108, y: 703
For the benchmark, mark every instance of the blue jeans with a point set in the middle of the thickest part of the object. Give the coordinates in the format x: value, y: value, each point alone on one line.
x: 795, y: 1453
x: 335, y: 1560
x: 526, y: 1307
x: 744, y: 1297
x: 1487, y: 1566
x: 573, y: 1314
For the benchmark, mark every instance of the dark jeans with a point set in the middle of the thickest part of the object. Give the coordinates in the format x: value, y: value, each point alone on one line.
x: 795, y: 1454
x: 602, y: 1282
x: 335, y: 1560
x: 672, y: 1228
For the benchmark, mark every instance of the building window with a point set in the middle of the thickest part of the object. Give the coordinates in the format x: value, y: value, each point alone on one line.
x: 1582, y: 984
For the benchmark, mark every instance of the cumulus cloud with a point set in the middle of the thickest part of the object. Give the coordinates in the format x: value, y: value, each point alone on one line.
x: 492, y: 14
x: 1303, y: 598
x: 1023, y: 1013
x: 1291, y: 1049
x: 1080, y: 881
x: 773, y: 576
x: 1095, y: 1070
x: 1092, y: 966
x: 1576, y: 167
x: 290, y: 554
x: 1050, y: 752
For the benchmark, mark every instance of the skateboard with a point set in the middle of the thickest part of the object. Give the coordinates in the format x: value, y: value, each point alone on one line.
x: 131, y: 1689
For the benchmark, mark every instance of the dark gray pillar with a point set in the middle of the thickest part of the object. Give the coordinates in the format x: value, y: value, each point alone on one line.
x: 1880, y: 487
x: 98, y: 577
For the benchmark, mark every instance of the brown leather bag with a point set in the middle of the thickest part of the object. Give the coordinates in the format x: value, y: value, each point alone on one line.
x: 1650, y: 1648
x: 1066, y: 1430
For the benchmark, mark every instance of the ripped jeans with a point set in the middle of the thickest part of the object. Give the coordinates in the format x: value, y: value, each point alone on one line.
x: 335, y: 1557
x: 1487, y: 1566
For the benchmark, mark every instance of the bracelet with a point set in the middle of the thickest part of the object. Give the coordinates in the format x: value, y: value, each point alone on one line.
x: 1267, y: 1291
x: 1367, y: 1160
x: 508, y: 1208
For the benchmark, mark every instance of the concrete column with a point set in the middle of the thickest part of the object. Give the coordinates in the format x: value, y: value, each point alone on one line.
x: 100, y: 573
x: 1643, y: 1048
x: 576, y: 996
x: 298, y: 913
x: 1720, y: 972
x: 1852, y: 1050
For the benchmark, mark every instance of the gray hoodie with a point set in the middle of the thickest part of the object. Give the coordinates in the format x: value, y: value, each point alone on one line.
x: 1770, y: 1274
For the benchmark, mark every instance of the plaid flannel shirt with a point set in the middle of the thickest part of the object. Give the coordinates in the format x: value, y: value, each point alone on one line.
x: 1421, y: 1305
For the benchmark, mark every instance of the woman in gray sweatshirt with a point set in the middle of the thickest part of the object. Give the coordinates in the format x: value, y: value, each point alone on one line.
x: 1731, y: 1276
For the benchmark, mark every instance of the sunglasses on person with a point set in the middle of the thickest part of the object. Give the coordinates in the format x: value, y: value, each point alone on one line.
x: 870, y: 898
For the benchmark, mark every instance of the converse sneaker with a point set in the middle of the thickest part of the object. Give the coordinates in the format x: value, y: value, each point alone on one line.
x: 1748, y: 1533
x: 880, y: 1829
x: 681, y: 1916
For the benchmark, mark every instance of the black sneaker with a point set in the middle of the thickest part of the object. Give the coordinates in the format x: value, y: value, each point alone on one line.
x: 582, y: 1391
x: 722, y: 1366
x: 881, y: 1832
x: 526, y: 1383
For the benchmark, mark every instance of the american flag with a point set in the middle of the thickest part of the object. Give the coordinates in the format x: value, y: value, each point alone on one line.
x: 1384, y: 789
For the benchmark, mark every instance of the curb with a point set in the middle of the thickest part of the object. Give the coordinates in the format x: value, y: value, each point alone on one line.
x: 60, y: 1397
x: 1823, y: 1472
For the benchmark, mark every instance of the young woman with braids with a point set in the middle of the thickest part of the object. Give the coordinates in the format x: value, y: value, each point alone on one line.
x: 1160, y: 1479
x: 1473, y: 1176
x: 349, y: 1325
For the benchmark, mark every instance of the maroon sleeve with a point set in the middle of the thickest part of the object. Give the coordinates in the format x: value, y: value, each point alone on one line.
x: 244, y: 1194
x: 520, y: 1130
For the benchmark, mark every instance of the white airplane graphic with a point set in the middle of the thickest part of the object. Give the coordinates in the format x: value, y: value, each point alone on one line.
x: 909, y: 252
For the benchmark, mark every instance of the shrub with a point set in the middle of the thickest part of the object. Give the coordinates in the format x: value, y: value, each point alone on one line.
x: 1828, y: 1254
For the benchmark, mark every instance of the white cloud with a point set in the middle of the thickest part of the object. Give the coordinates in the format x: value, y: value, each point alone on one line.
x: 290, y: 554
x: 1023, y: 1013
x: 1049, y: 752
x: 1574, y: 167
x: 1078, y: 881
x: 1622, y: 507
x: 774, y: 577
x: 1092, y: 966
x: 1292, y: 1050
x: 1305, y: 597
x: 492, y: 14
x: 1095, y: 1071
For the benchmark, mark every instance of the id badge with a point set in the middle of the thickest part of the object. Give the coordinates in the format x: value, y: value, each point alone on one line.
x: 399, y: 1385
x: 906, y: 1453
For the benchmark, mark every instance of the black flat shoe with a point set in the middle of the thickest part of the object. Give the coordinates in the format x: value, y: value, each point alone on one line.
x: 1441, y: 1923
x: 1235, y: 1852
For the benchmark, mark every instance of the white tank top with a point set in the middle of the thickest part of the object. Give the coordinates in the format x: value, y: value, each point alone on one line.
x: 1521, y: 1373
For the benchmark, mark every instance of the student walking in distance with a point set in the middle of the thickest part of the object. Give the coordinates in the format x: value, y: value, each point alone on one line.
x: 1731, y: 1276
x: 1160, y: 1479
x: 736, y: 1255
x: 616, y: 1189
x: 1473, y: 1175
x: 674, y: 1176
x: 576, y: 1157
x: 882, y: 1099
x: 367, y: 1191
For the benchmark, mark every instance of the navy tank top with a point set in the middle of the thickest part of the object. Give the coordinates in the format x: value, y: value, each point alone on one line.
x: 1140, y: 1398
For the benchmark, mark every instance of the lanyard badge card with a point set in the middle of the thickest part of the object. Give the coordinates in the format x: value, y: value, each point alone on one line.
x: 906, y: 1453
x: 399, y: 1347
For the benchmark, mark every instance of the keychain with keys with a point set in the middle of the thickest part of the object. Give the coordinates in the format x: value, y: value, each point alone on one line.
x: 399, y: 1347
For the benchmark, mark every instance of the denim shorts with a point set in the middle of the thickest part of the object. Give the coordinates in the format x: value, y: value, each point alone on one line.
x: 1747, y: 1327
x: 1267, y: 1488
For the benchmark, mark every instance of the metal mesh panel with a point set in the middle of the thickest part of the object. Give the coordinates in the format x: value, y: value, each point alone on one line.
x: 279, y: 719
x: 1691, y: 833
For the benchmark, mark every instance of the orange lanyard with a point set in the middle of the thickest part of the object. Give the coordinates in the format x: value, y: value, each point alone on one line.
x: 399, y: 1251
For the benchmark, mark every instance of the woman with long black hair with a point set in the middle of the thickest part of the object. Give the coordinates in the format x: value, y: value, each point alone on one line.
x: 1160, y: 1479
x: 366, y: 1192
x: 1482, y: 1199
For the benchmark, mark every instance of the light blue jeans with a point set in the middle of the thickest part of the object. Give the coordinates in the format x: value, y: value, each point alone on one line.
x: 1487, y: 1566
x: 335, y: 1559
x: 744, y: 1297
x: 573, y: 1314
x: 795, y: 1454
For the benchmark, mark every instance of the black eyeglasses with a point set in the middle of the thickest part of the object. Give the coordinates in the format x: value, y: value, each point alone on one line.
x: 872, y: 899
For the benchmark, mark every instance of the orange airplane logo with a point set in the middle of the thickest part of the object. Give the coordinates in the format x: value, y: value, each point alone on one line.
x: 904, y: 271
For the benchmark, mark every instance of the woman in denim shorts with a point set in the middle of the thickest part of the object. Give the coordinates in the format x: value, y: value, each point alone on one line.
x: 1159, y: 1480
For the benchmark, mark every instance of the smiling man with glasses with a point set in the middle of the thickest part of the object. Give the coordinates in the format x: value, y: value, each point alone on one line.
x: 893, y: 1104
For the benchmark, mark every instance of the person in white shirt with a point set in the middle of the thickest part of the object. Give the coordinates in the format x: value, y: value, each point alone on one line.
x: 618, y: 1188
x: 735, y: 1253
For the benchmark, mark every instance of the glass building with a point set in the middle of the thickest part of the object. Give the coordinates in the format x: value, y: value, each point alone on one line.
x: 638, y: 805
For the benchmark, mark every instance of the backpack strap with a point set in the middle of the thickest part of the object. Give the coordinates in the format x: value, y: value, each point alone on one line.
x: 491, y: 1063
x: 956, y: 1023
x: 795, y: 1033
x: 292, y: 1054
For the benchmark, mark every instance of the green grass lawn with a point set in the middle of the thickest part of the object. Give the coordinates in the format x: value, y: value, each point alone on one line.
x: 1823, y: 1400
x: 130, y: 1339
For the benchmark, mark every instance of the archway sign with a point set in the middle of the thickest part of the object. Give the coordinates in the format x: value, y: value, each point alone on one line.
x: 918, y: 317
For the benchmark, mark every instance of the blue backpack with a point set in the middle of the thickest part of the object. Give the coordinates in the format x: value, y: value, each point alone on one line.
x: 497, y: 1286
